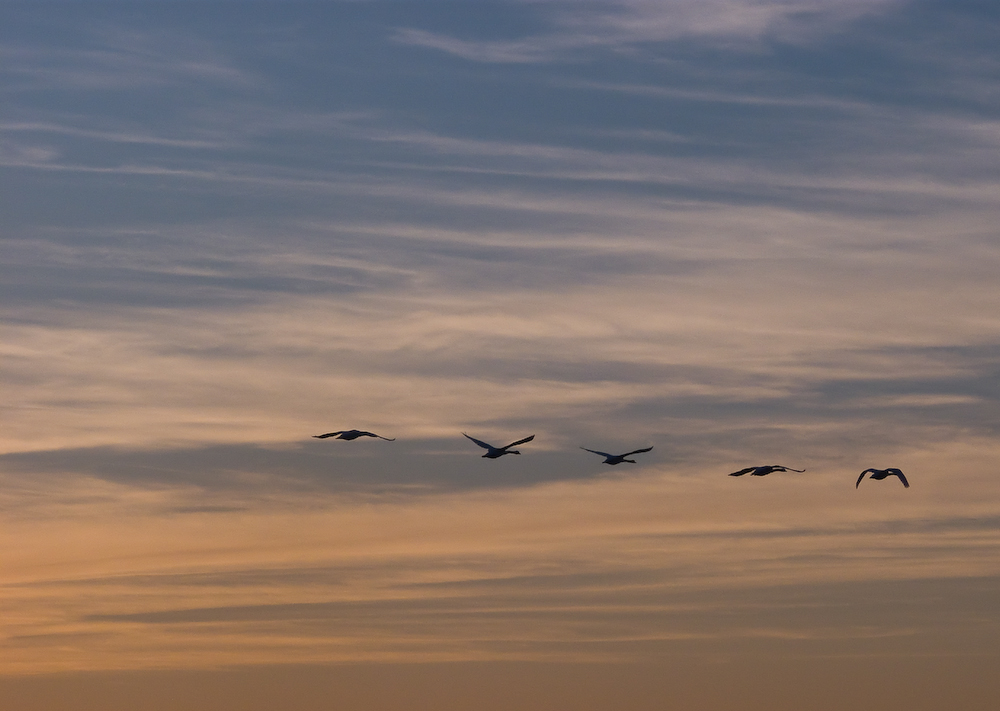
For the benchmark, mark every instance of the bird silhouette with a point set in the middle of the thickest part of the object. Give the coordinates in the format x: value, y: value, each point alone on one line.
x: 765, y: 470
x: 613, y: 459
x: 496, y: 452
x: 880, y: 474
x: 353, y: 434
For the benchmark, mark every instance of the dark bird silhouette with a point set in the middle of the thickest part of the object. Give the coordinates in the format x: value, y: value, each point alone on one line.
x: 496, y: 452
x: 353, y: 434
x: 765, y: 470
x: 613, y: 459
x: 880, y: 474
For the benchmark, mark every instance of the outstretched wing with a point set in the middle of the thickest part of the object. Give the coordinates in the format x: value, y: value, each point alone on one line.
x: 480, y: 442
x: 520, y: 441
x: 862, y: 477
x: 741, y: 472
x: 329, y: 434
x: 372, y: 434
x: 902, y: 478
x: 362, y: 433
x: 638, y: 451
x: 789, y: 469
x: 603, y: 454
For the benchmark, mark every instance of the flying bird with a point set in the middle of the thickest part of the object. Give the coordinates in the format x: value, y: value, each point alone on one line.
x: 353, y: 434
x: 765, y: 470
x: 496, y: 452
x: 613, y: 459
x: 880, y: 474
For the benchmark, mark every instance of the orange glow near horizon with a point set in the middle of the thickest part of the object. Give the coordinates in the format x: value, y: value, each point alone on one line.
x: 118, y: 579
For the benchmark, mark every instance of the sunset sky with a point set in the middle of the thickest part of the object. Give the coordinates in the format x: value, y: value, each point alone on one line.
x: 741, y: 231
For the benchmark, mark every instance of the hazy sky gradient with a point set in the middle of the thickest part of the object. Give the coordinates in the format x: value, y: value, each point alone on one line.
x: 741, y: 231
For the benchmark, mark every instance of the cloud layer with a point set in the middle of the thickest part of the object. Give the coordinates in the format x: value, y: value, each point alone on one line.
x: 740, y: 232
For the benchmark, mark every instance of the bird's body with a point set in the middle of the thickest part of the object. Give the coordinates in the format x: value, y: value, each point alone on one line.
x: 613, y: 459
x: 352, y: 434
x: 765, y: 470
x: 497, y: 452
x: 880, y: 474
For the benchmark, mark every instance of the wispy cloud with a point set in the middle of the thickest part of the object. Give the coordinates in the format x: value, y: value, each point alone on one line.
x: 110, y: 136
x: 113, y: 57
x: 625, y: 24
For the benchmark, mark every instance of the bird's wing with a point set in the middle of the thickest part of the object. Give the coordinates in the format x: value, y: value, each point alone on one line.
x: 480, y: 442
x: 741, y: 472
x: 328, y: 434
x: 638, y: 451
x: 520, y: 441
x: 364, y: 433
x: 789, y: 469
x: 603, y: 454
x: 902, y: 478
x: 861, y: 477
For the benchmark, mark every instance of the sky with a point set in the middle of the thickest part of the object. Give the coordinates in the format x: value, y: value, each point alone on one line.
x: 740, y: 231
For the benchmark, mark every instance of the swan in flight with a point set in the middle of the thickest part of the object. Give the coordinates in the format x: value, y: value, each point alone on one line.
x: 353, y: 434
x: 613, y: 459
x: 495, y: 452
x: 765, y: 470
x: 880, y: 474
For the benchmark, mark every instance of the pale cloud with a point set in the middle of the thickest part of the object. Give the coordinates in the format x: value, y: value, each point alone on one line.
x: 110, y: 136
x: 113, y: 58
x: 623, y: 25
x: 731, y: 97
x: 16, y: 153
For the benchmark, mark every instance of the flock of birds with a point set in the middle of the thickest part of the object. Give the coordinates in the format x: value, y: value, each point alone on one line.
x: 613, y: 459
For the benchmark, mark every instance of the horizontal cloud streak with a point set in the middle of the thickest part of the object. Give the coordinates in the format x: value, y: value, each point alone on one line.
x: 620, y: 25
